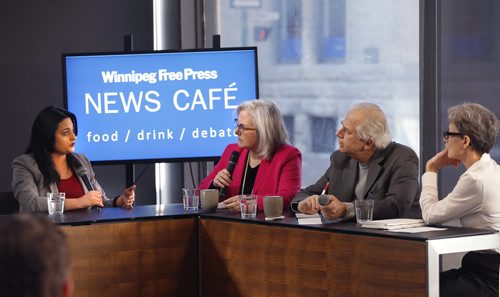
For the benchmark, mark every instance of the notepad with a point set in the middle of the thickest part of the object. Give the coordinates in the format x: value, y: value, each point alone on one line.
x: 391, y: 224
x: 222, y: 207
x: 305, y: 219
x: 417, y: 229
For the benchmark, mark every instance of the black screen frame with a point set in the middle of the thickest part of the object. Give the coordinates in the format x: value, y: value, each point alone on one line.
x: 156, y: 160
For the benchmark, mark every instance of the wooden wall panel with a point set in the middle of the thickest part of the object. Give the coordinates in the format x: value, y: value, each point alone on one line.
x: 138, y: 258
x: 160, y: 258
x: 239, y: 259
x: 376, y: 266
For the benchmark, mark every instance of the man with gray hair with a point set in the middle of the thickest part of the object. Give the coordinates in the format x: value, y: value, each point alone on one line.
x: 367, y: 165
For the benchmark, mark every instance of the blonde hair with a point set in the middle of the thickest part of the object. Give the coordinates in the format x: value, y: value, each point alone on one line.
x: 271, y: 130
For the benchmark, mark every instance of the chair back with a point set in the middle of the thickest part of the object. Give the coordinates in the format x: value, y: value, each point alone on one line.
x: 8, y: 203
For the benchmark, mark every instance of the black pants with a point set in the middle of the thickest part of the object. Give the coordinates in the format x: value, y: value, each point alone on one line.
x: 477, y: 277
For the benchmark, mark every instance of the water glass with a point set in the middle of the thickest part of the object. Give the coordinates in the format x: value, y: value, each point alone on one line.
x: 364, y: 210
x: 190, y: 198
x: 248, y: 206
x: 55, y: 203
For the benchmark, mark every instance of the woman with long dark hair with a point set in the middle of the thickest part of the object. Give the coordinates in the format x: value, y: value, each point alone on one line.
x: 51, y: 165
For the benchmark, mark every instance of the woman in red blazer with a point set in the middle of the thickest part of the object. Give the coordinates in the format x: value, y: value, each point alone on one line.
x: 267, y: 165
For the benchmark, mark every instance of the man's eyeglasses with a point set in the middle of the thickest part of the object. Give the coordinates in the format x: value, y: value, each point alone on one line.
x: 241, y: 127
x: 447, y: 134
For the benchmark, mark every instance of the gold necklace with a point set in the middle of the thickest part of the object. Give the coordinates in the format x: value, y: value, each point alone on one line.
x: 245, y: 175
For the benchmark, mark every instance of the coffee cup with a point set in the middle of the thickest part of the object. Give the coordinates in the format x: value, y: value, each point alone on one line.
x: 209, y: 199
x: 273, y: 206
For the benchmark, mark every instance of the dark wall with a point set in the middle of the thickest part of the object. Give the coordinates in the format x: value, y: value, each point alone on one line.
x: 469, y: 55
x: 33, y: 35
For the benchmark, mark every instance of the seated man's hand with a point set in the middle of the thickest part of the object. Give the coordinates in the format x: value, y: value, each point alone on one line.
x: 334, y: 210
x: 309, y: 205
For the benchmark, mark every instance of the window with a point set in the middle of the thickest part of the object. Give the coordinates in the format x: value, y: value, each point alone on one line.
x: 323, y: 134
x: 318, y: 58
x: 290, y: 127
x: 290, y: 31
x: 331, y: 31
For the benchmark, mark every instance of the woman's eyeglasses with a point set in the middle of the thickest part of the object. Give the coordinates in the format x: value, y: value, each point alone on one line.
x: 447, y: 134
x: 241, y: 127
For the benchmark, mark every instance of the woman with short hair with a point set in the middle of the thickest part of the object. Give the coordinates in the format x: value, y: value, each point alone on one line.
x: 475, y: 200
x: 267, y: 164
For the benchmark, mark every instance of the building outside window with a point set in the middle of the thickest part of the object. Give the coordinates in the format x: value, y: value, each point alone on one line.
x: 319, y: 57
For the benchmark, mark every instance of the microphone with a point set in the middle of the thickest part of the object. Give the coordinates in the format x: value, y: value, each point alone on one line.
x: 82, y: 173
x: 233, y: 159
x: 323, y: 200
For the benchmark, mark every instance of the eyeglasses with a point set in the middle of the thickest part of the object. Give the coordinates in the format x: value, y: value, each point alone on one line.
x: 447, y: 134
x: 241, y: 127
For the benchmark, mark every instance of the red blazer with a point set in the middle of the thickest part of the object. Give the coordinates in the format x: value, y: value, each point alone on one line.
x: 279, y: 176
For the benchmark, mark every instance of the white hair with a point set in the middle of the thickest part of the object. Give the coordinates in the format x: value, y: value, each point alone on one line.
x: 374, y: 126
x: 271, y: 130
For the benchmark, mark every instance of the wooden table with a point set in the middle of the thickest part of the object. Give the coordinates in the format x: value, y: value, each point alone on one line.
x: 139, y: 252
x: 147, y: 252
x: 281, y: 258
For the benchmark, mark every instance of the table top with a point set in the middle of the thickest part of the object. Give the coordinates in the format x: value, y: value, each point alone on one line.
x: 119, y: 214
x: 176, y: 211
x: 351, y: 227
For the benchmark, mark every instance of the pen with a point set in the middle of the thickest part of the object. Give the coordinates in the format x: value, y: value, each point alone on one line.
x: 325, y: 188
x: 323, y: 200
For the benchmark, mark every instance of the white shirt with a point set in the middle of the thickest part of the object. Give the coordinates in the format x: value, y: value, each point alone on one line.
x: 475, y: 200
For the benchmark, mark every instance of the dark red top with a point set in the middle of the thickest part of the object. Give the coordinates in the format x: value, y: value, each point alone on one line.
x: 71, y: 187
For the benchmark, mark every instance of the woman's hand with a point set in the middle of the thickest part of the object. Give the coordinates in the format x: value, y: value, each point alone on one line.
x: 127, y: 198
x: 222, y: 179
x: 439, y: 161
x: 92, y: 198
x: 233, y: 203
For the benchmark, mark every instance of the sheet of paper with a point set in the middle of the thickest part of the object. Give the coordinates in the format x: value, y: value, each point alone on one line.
x: 275, y: 218
x: 391, y: 224
x: 392, y: 227
x: 221, y: 205
x: 299, y: 215
x: 394, y: 222
x: 310, y: 221
x: 417, y: 229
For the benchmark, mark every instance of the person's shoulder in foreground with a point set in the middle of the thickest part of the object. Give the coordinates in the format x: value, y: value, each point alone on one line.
x: 34, y: 258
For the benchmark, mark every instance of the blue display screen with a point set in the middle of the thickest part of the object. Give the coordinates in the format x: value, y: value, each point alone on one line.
x: 158, y: 106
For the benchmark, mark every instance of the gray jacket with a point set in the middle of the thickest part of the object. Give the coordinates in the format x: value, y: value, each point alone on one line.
x: 28, y: 183
x: 392, y: 182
